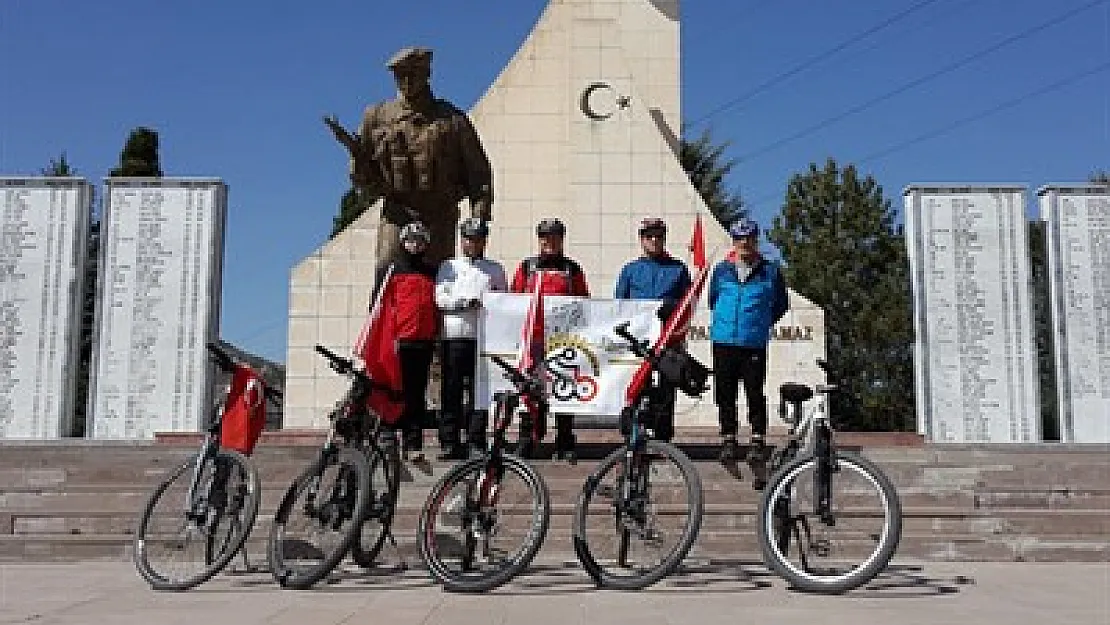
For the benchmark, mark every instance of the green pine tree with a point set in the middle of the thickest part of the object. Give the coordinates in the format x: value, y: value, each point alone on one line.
x: 58, y: 167
x: 703, y: 161
x: 139, y: 157
x: 354, y: 203
x: 843, y: 249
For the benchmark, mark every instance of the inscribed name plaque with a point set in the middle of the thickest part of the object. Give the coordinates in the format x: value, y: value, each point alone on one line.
x: 1078, y: 220
x: 42, y: 269
x: 158, y: 304
x: 974, y: 360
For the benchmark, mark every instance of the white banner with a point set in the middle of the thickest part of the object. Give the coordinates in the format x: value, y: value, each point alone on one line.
x: 580, y: 343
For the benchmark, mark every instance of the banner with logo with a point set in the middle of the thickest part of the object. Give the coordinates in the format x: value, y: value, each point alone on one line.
x: 596, y: 365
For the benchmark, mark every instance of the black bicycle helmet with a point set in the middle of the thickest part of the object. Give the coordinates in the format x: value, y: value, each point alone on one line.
x: 474, y: 227
x: 550, y: 225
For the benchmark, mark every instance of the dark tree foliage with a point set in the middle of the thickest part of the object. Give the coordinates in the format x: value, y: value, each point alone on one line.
x: 354, y: 203
x: 703, y: 161
x: 843, y: 249
x: 139, y: 157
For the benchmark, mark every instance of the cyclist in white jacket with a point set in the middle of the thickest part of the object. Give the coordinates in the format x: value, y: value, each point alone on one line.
x: 460, y: 283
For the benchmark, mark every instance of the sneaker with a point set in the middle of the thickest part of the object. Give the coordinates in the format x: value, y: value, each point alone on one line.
x: 730, y: 451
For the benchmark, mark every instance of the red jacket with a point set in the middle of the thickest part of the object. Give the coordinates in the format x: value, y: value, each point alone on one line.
x: 564, y: 276
x: 410, y: 298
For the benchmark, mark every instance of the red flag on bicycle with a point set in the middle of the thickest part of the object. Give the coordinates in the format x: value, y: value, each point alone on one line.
x: 532, y: 340
x: 674, y: 329
x: 376, y: 345
x: 244, y: 410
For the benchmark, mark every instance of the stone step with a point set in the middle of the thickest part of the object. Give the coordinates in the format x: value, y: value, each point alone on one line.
x: 940, y: 521
x: 557, y: 543
x: 284, y: 468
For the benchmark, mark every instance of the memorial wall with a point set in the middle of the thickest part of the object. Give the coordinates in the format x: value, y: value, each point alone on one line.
x: 158, y: 304
x: 42, y: 267
x: 975, y: 364
x: 1078, y: 229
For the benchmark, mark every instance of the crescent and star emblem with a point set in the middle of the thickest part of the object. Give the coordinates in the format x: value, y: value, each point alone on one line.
x: 589, y: 104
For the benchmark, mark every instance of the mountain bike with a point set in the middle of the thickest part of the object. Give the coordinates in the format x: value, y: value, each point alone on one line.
x: 210, y: 501
x: 335, y: 493
x: 642, y: 488
x: 467, y: 510
x: 799, y: 509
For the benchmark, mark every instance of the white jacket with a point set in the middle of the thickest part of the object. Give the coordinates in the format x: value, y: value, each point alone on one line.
x: 462, y: 279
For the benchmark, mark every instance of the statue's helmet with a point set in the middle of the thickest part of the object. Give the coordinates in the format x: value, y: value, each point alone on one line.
x: 411, y: 58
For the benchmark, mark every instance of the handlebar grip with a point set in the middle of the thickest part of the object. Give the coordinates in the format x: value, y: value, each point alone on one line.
x: 340, y: 364
x: 501, y: 363
x: 222, y: 358
x: 274, y: 395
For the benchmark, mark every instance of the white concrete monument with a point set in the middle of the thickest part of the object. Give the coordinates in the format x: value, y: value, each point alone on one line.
x: 42, y: 272
x: 1078, y: 219
x: 158, y: 304
x: 974, y: 362
x: 581, y: 125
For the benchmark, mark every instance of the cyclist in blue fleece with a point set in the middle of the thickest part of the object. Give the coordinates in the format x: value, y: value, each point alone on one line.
x: 656, y: 275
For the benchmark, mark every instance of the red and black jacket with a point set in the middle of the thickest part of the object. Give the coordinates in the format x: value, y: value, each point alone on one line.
x: 564, y: 276
x: 410, y: 298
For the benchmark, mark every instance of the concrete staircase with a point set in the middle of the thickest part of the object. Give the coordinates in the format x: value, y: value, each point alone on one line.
x: 74, y: 500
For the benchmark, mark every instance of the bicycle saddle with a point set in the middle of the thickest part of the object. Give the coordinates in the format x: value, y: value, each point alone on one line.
x: 795, y: 393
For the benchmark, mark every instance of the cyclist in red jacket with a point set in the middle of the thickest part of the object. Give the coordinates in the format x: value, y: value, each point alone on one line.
x: 411, y: 301
x: 564, y: 276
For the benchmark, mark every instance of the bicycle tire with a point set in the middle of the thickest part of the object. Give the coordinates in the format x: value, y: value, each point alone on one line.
x: 498, y: 577
x: 365, y: 552
x: 354, y: 460
x: 880, y: 558
x: 234, y: 542
x: 675, y: 557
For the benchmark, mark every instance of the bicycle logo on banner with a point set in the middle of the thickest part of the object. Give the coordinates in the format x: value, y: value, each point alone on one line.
x: 577, y: 366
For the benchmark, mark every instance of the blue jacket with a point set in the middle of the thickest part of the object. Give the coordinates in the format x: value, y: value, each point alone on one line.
x: 648, y: 278
x: 744, y: 312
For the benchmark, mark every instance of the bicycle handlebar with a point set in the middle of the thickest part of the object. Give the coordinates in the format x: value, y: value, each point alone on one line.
x: 638, y: 347
x: 227, y: 364
x: 223, y: 359
x: 345, y: 366
x: 518, y: 379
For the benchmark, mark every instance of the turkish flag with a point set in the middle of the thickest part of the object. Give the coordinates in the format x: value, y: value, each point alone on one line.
x: 376, y: 345
x: 244, y: 410
x: 697, y: 243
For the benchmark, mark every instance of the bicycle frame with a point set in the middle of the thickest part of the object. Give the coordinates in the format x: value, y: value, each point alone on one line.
x: 811, y: 435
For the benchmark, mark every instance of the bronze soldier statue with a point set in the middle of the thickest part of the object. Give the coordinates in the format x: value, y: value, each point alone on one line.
x: 422, y: 155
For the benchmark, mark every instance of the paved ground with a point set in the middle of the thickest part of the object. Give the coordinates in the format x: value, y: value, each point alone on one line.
x: 557, y: 593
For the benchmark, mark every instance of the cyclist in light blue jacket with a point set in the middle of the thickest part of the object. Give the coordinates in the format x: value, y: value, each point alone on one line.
x: 747, y: 296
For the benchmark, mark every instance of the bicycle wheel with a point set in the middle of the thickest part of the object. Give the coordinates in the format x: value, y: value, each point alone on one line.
x: 651, y: 507
x: 797, y: 539
x: 201, y: 532
x: 480, y: 527
x: 335, y: 492
x: 385, y: 470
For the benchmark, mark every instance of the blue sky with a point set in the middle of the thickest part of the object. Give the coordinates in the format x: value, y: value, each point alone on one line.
x: 236, y: 90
